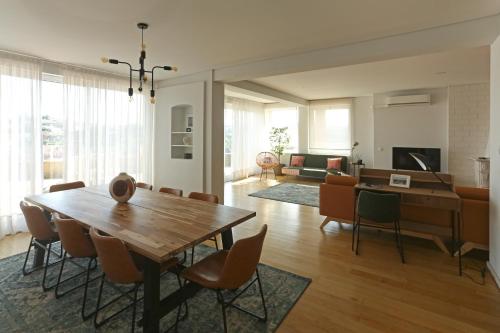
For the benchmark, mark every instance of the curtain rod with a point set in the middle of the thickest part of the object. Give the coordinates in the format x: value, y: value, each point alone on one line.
x: 48, y: 61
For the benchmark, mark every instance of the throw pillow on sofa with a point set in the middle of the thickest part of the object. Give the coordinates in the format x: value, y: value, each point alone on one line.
x: 334, y: 163
x: 297, y: 161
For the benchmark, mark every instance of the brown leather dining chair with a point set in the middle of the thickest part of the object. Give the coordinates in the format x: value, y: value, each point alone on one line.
x: 43, y: 235
x: 66, y: 186
x: 173, y: 191
x: 120, y: 267
x: 208, y: 198
x: 76, y: 243
x: 230, y: 270
x: 144, y: 186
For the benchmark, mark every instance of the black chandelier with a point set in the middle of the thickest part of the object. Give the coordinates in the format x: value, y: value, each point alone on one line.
x: 142, y: 72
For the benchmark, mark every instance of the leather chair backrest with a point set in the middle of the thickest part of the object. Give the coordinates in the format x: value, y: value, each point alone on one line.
x: 144, y: 186
x: 37, y: 222
x: 378, y: 207
x: 341, y: 180
x: 66, y: 186
x: 242, y: 260
x: 74, y: 238
x: 173, y: 191
x: 204, y: 197
x: 115, y: 259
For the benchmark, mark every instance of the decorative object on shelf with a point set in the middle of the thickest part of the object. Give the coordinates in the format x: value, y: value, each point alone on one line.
x: 266, y: 161
x: 122, y: 187
x: 187, y: 140
x: 355, y: 167
x: 356, y: 143
x: 482, y: 172
x: 141, y: 70
x: 279, y: 140
x: 400, y: 180
x: 189, y: 130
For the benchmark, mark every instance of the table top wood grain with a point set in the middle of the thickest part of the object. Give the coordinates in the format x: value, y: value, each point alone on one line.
x: 153, y: 224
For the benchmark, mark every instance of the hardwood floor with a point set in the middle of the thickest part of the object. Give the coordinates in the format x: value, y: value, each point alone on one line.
x: 372, y: 292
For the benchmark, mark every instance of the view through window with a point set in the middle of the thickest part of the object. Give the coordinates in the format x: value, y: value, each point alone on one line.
x: 284, y: 117
x: 52, y: 130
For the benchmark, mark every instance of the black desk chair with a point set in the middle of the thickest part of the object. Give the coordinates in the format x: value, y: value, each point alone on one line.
x: 380, y: 210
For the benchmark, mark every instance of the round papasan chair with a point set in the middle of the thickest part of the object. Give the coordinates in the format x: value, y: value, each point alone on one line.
x: 266, y: 160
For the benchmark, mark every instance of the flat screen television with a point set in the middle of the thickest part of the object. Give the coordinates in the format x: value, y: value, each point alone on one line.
x: 402, y: 160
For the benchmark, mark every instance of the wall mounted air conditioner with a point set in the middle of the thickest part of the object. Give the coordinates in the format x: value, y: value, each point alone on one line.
x: 408, y: 100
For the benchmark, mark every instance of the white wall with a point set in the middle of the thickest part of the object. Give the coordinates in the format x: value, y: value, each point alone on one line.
x: 186, y: 174
x: 213, y: 138
x: 494, y: 260
x: 469, y: 111
x: 363, y: 128
x: 423, y: 126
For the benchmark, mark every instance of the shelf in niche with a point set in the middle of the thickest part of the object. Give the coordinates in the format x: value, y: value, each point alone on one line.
x: 182, y: 145
x: 182, y: 132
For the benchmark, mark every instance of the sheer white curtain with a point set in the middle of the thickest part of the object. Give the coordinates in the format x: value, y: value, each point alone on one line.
x: 248, y: 139
x: 105, y: 132
x: 20, y: 138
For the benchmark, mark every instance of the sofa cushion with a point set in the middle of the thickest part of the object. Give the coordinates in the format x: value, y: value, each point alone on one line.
x: 341, y: 180
x: 472, y: 193
x: 334, y: 163
x: 297, y: 161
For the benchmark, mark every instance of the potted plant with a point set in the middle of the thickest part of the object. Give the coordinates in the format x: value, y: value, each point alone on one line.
x: 279, y: 140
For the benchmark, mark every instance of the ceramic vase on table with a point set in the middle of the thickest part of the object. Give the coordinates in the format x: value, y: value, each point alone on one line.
x: 122, y: 187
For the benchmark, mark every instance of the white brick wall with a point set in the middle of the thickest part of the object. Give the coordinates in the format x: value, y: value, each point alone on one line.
x: 469, y: 123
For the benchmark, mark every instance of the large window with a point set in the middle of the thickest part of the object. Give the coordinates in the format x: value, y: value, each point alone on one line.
x: 284, y: 116
x: 52, y: 130
x: 330, y: 125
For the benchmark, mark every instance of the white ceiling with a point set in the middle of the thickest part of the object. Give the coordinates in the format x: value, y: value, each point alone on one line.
x: 426, y: 71
x: 197, y: 35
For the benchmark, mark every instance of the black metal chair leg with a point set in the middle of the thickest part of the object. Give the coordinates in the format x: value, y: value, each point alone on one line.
x: 26, y: 259
x: 99, y: 295
x: 192, y: 256
x: 261, y: 295
x: 89, y: 268
x: 357, y: 238
x: 354, y: 226
x: 134, y: 307
x: 216, y: 243
x: 400, y: 243
x: 45, y: 288
x: 59, y: 276
x: 223, y: 307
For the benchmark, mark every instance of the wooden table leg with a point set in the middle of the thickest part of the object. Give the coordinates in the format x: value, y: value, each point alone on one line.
x: 227, y: 239
x: 151, y: 317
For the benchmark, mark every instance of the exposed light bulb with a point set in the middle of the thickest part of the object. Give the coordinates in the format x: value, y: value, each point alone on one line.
x: 174, y: 68
x: 131, y: 99
x: 104, y: 60
x: 152, y: 100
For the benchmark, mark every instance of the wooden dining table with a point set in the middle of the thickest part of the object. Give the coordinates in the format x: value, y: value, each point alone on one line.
x: 155, y: 225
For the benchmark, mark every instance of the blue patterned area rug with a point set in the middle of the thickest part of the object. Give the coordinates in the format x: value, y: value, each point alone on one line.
x: 307, y: 195
x: 24, y: 307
